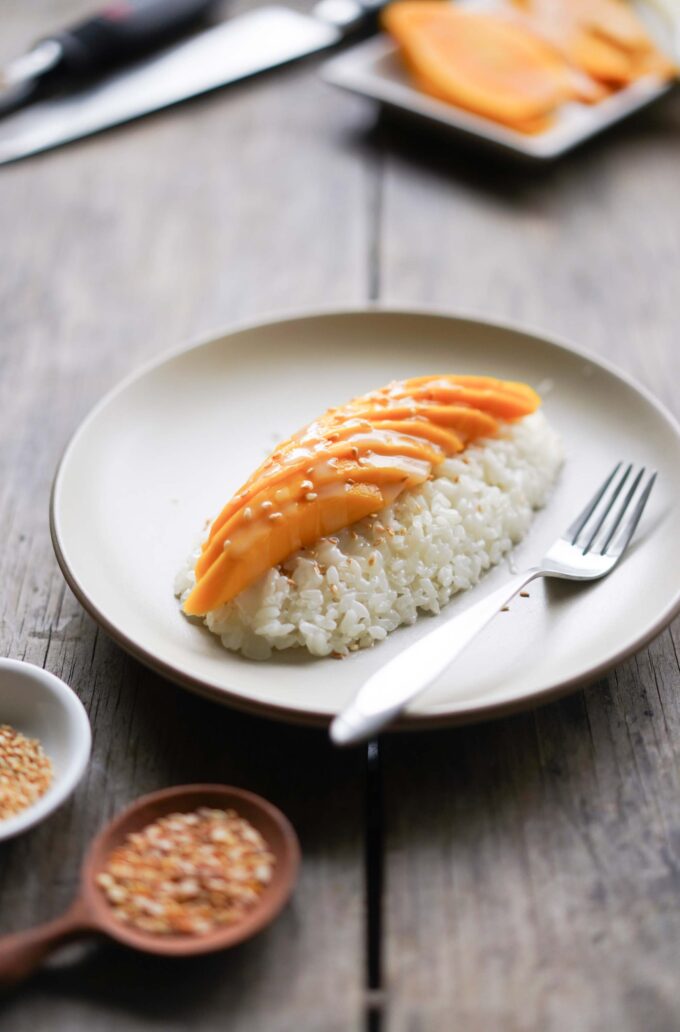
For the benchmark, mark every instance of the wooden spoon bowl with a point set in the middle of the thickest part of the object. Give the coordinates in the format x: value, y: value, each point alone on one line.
x: 91, y: 913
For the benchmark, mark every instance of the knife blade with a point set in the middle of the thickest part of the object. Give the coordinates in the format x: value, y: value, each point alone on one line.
x: 250, y: 43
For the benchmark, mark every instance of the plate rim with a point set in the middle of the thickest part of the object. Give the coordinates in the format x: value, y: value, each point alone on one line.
x: 288, y: 714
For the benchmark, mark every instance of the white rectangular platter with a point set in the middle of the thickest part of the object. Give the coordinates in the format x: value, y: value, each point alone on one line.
x: 374, y: 69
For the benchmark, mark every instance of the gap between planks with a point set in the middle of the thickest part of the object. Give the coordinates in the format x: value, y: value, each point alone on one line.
x: 374, y: 859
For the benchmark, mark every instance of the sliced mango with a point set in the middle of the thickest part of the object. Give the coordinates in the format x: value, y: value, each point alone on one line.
x: 501, y: 404
x: 353, y: 461
x: 271, y: 542
x: 357, y: 436
x: 404, y: 461
x: 604, y: 39
x: 482, y: 62
x: 518, y: 64
x: 449, y: 442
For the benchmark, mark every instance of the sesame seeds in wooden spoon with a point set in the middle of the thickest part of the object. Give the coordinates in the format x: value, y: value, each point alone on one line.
x: 273, y: 848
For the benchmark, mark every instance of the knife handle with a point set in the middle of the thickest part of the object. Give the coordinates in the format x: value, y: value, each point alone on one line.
x: 123, y: 30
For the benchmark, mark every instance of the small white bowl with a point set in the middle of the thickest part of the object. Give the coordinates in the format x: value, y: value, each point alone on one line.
x: 41, y: 706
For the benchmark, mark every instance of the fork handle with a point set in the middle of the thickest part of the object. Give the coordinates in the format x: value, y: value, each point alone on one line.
x: 389, y: 691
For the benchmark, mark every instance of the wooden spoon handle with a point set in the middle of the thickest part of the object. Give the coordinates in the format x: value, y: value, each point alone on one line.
x: 22, y: 952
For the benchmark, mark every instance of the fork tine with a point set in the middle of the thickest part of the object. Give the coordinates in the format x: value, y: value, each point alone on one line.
x: 575, y: 528
x: 609, y: 523
x: 604, y: 510
x: 616, y: 545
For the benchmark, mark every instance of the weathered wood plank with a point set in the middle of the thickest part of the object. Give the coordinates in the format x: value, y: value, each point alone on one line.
x: 532, y: 864
x: 113, y: 251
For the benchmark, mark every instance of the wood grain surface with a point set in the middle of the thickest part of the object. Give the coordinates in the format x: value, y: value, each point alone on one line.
x: 531, y: 866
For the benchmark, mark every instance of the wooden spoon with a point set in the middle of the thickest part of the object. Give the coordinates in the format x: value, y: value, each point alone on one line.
x: 91, y: 913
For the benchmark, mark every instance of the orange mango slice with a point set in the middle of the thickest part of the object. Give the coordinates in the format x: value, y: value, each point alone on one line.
x: 604, y: 39
x: 485, y: 63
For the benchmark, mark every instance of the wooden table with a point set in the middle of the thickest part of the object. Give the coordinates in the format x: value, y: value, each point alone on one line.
x: 531, y: 866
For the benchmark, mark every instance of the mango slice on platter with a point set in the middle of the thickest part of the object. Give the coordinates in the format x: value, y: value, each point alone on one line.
x: 604, y: 38
x: 518, y: 63
x: 485, y: 63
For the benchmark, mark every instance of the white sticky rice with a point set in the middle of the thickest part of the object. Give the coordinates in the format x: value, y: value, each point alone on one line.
x: 350, y: 590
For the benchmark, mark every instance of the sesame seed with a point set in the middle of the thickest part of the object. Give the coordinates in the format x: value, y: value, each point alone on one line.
x: 267, y: 505
x: 311, y: 496
x: 275, y: 516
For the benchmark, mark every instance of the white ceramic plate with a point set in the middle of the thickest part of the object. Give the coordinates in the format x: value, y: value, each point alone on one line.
x: 164, y: 451
x: 374, y: 69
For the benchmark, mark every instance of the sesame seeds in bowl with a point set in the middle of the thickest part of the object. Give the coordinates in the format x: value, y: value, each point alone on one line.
x: 46, y: 749
x: 25, y: 771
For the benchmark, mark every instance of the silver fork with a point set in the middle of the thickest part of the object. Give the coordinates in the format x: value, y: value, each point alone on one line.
x: 590, y: 548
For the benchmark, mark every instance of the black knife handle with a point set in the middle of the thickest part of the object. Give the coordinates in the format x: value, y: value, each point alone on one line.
x: 124, y: 30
